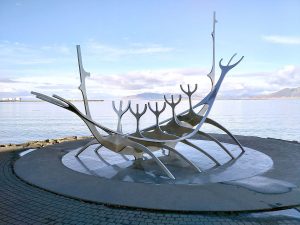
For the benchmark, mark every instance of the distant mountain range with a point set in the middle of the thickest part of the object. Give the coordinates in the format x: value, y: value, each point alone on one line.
x: 147, y: 96
x: 284, y: 93
x: 157, y: 96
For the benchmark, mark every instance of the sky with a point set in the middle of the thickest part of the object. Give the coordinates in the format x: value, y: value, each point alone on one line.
x: 138, y: 46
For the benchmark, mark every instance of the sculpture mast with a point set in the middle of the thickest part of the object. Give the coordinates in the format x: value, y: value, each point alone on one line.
x: 82, y: 88
x: 83, y: 76
x: 211, y: 74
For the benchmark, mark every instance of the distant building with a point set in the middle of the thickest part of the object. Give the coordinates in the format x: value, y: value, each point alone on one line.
x: 16, y: 99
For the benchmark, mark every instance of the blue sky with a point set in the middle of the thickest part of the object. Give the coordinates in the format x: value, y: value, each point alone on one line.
x: 140, y: 46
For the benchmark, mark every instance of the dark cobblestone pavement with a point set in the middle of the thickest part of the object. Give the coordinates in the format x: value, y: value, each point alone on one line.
x: 21, y: 203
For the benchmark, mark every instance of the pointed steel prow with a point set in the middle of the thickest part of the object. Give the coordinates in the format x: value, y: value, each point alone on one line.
x: 50, y: 99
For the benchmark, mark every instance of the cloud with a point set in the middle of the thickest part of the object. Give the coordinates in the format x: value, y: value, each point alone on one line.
x: 288, y: 76
x: 122, y: 84
x: 168, y: 81
x: 108, y: 52
x: 278, y: 39
x: 261, y: 82
x: 160, y: 81
x: 25, y: 67
x: 20, y: 54
x: 19, y: 59
x: 41, y: 68
x: 7, y: 80
x: 156, y: 81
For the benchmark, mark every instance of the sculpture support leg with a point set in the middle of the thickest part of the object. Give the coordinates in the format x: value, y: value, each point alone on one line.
x: 102, y: 159
x: 92, y: 142
x: 96, y: 149
x: 201, y: 150
x: 147, y: 151
x: 124, y: 157
x: 216, y: 124
x: 183, y: 157
x: 217, y: 142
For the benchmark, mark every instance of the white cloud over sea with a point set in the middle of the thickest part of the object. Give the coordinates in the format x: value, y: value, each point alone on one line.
x: 280, y: 39
x: 158, y: 81
x: 53, y: 69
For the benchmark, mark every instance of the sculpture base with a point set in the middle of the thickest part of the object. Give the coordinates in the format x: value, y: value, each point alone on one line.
x: 107, y: 164
x: 239, y: 185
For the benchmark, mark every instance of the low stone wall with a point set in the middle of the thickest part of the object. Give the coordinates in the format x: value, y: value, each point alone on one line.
x: 43, y: 143
x: 39, y: 144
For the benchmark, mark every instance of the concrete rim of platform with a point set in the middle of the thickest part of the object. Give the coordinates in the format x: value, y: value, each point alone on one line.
x: 43, y: 168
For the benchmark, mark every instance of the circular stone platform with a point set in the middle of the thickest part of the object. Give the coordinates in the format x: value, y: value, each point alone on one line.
x: 243, y: 184
x: 107, y: 164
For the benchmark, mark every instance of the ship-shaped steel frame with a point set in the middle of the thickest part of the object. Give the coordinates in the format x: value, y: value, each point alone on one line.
x: 163, y: 135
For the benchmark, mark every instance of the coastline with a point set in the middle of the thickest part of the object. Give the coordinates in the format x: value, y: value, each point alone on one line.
x: 75, y: 100
x: 40, y: 143
x: 47, y: 142
x: 161, y: 99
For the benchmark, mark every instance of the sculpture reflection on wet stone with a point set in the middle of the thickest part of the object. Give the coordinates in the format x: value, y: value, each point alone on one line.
x: 163, y: 135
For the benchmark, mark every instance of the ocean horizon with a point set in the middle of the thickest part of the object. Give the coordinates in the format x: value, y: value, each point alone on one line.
x: 28, y: 121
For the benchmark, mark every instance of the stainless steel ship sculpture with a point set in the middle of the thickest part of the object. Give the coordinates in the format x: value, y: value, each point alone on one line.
x: 163, y: 135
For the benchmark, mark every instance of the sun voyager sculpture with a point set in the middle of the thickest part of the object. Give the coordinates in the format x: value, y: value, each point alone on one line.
x: 171, y: 165
x: 162, y: 135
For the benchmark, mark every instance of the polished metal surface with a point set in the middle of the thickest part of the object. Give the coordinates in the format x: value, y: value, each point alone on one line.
x: 167, y: 134
x: 111, y: 165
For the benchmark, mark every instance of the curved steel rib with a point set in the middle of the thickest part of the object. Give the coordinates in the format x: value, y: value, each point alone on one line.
x: 201, y: 150
x: 92, y: 142
x: 96, y: 149
x: 216, y: 141
x: 216, y: 124
x: 183, y: 157
x: 147, y: 151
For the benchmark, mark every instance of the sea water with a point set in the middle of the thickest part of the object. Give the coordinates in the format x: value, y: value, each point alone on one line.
x: 25, y: 121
